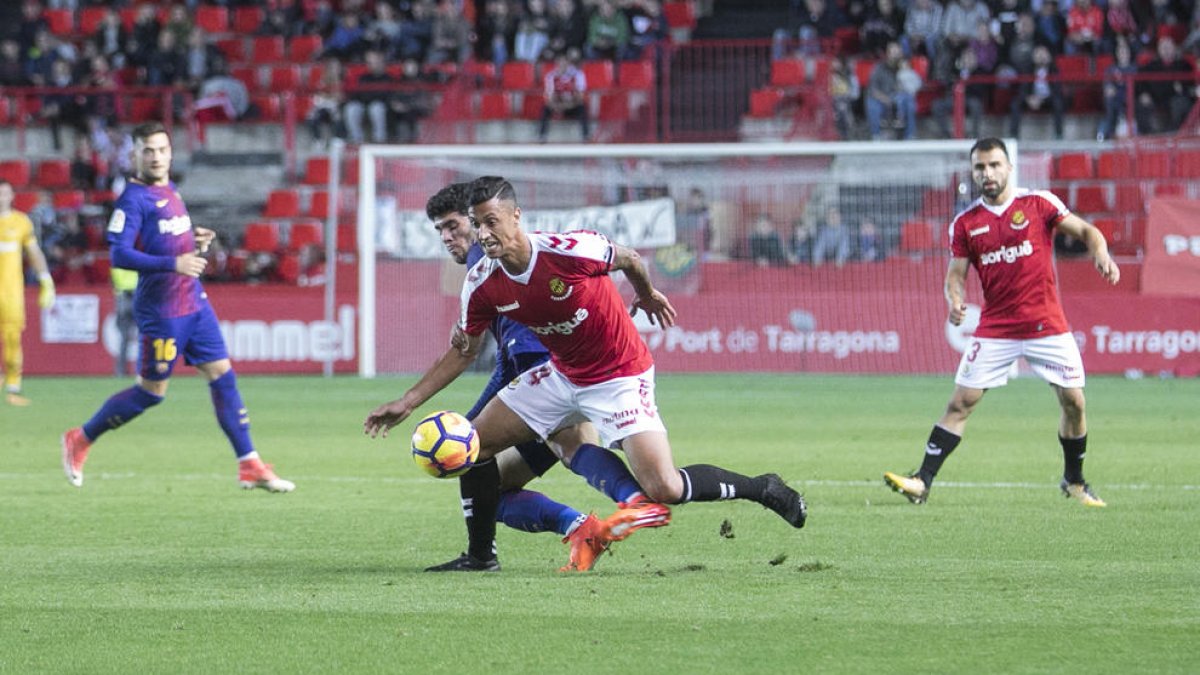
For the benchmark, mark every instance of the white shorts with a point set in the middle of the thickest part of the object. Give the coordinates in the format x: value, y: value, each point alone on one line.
x: 547, y: 401
x: 987, y: 361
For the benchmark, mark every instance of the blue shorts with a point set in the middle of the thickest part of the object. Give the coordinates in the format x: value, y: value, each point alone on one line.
x: 196, y: 337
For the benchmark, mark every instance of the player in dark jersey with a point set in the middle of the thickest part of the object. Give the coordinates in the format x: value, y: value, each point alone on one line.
x: 150, y: 232
x: 1007, y: 235
x: 517, y: 351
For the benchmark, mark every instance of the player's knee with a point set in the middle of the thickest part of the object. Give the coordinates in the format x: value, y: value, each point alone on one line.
x: 664, y: 489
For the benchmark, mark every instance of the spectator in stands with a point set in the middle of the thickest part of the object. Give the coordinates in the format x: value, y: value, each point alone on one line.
x: 64, y: 245
x: 533, y: 32
x: 280, y: 22
x: 179, y: 23
x: 371, y: 102
x: 1119, y: 23
x: 976, y: 96
x: 348, y: 38
x: 695, y: 222
x: 647, y: 27
x: 168, y: 65
x: 12, y: 67
x: 112, y: 39
x: 608, y: 33
x: 1085, y: 28
x: 1004, y: 25
x: 143, y: 41
x: 496, y: 32
x: 1042, y: 93
x: 816, y: 20
x: 959, y: 22
x: 43, y: 216
x: 1116, y: 83
x: 325, y: 116
x: 383, y: 31
x: 198, y: 57
x: 923, y: 28
x: 1162, y: 105
x: 569, y: 27
x: 870, y: 244
x: 886, y: 95
x: 40, y: 58
x: 100, y: 104
x: 450, y: 36
x: 417, y: 32
x: 565, y: 91
x: 33, y: 21
x: 1051, y: 27
x: 412, y: 103
x: 800, y: 244
x: 222, y: 97
x: 983, y: 45
x: 833, y: 240
x: 62, y: 109
x: 765, y: 244
x: 85, y: 171
x: 845, y: 92
x: 884, y: 24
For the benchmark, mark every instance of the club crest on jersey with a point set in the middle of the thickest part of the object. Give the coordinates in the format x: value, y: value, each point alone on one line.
x: 559, y: 290
x: 1019, y: 222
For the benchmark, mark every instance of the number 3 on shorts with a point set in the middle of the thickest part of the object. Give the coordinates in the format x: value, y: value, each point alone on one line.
x: 974, y: 351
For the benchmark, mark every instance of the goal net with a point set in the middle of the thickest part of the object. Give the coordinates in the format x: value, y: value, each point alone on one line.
x: 778, y: 257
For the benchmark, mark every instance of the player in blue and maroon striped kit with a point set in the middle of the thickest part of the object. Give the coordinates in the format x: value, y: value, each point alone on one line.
x: 150, y: 232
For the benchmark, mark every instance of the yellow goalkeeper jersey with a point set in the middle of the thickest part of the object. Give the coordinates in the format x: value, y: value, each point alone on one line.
x: 16, y: 232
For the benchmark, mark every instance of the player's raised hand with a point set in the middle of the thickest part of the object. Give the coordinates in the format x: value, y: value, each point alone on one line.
x: 190, y: 265
x: 1108, y: 269
x: 385, y: 417
x: 957, y: 314
x: 204, y: 238
x: 656, y: 307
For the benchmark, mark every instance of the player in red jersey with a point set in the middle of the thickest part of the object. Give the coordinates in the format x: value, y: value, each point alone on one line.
x: 600, y: 371
x: 1007, y: 235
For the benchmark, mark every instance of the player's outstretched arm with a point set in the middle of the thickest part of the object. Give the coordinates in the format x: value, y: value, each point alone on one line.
x: 204, y: 238
x: 1090, y: 235
x: 649, y: 299
x: 956, y: 290
x: 456, y: 360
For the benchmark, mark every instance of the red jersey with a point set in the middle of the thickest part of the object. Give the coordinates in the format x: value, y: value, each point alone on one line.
x: 567, y: 299
x: 1011, y: 247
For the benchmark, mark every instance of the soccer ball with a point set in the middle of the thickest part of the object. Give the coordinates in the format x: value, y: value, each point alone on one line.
x: 445, y: 444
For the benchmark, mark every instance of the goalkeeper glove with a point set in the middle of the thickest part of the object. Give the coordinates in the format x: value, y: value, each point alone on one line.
x: 46, y: 295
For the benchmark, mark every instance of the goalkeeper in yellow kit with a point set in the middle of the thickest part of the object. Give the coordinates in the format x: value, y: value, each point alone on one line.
x: 16, y: 235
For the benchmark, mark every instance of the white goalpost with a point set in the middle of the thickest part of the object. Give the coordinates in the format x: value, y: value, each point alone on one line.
x: 702, y: 215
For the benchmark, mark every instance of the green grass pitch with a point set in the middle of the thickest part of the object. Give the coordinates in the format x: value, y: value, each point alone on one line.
x: 159, y: 564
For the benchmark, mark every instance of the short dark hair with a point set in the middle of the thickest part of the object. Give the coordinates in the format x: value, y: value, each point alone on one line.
x: 450, y: 199
x: 488, y: 188
x: 147, y: 129
x: 989, y: 143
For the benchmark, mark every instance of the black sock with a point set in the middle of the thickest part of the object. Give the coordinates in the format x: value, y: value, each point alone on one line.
x: 1073, y: 451
x: 939, y: 446
x: 480, y: 490
x: 708, y: 483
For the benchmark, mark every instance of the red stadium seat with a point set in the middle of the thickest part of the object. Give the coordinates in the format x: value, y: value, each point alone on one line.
x: 862, y: 70
x: 483, y: 71
x: 614, y: 106
x: 53, y: 173
x: 1107, y: 227
x: 1165, y: 188
x: 304, y: 233
x: 318, y: 205
x: 261, y: 238
x: 1115, y: 164
x: 920, y: 66
x: 6, y: 110
x: 303, y: 48
x: 62, y: 21
x: 128, y: 16
x: 246, y: 20
x: 636, y: 74
x: 787, y: 73
x: 1187, y: 164
x: 288, y: 270
x: 145, y: 108
x: 1091, y: 199
x: 285, y: 78
x: 1129, y: 198
x: 98, y: 268
x: 316, y: 171
x: 268, y: 107
x: 599, y: 75
x: 845, y: 40
x: 1074, y: 65
x: 517, y: 76
x: 15, y: 171
x: 916, y: 236
x: 495, y: 105
x: 266, y: 49
x: 247, y: 75
x: 680, y: 14
x: 25, y: 201
x: 234, y: 49
x: 1074, y: 165
x: 821, y: 70
x: 282, y: 204
x: 347, y: 237
x: 764, y: 102
x: 212, y: 18
x: 350, y: 170
x: 90, y: 19
x: 68, y: 200
x: 1154, y: 164
x: 531, y: 106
